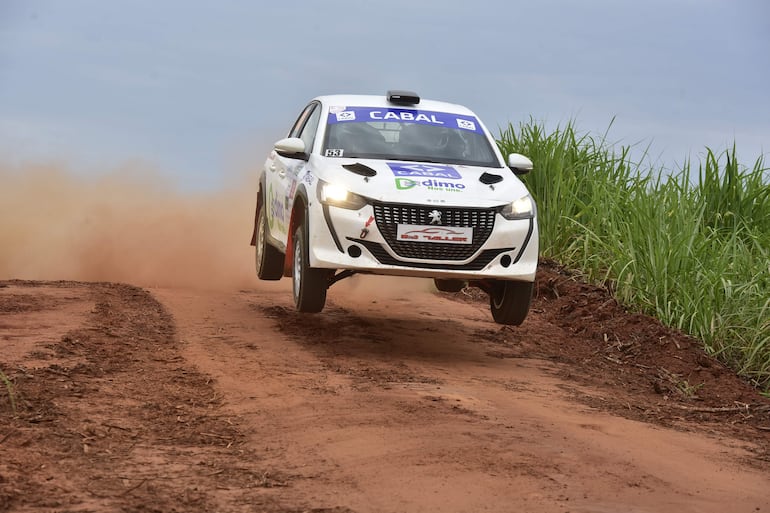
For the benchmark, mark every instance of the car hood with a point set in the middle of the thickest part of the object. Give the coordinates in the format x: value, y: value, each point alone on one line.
x: 421, y: 182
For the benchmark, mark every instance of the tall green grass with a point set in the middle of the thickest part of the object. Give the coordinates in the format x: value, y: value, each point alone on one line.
x: 689, y: 246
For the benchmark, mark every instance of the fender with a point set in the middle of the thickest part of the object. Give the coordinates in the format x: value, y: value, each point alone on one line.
x: 260, y: 199
x: 298, y: 217
x: 260, y: 192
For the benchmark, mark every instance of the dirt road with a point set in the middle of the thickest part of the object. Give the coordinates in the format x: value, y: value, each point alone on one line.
x: 395, y: 399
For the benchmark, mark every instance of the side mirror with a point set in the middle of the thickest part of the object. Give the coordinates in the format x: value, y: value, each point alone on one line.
x: 519, y: 164
x: 291, y: 147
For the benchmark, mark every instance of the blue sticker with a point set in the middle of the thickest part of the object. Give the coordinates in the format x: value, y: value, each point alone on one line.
x: 423, y: 117
x: 429, y: 170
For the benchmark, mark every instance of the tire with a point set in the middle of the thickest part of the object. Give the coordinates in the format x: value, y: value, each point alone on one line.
x: 509, y: 301
x: 308, y: 284
x: 444, y: 285
x: 269, y: 260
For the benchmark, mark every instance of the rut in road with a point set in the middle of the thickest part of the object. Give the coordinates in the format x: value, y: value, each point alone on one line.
x: 410, y: 401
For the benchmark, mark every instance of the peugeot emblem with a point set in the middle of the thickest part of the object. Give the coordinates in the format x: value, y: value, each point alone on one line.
x: 435, y: 217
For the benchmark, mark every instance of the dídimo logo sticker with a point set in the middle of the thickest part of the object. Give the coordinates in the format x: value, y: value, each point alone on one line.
x: 431, y: 184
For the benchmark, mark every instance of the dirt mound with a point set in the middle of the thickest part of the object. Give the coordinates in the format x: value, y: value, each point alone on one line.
x: 107, y: 416
x: 645, y: 370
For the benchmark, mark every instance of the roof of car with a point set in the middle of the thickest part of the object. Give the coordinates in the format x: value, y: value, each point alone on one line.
x: 361, y: 100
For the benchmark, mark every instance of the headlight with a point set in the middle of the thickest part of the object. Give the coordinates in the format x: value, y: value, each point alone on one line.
x: 339, y: 196
x: 522, y: 208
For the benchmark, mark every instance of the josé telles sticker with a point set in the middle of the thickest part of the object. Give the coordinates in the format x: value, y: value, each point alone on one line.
x: 428, y: 170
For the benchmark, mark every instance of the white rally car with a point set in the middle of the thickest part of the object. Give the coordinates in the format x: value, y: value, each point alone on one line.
x: 396, y: 185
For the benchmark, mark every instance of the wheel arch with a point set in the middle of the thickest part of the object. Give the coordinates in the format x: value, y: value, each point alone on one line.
x: 260, y: 200
x: 299, y: 212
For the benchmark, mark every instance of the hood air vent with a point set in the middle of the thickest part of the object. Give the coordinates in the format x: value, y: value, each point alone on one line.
x: 361, y: 169
x: 489, y: 178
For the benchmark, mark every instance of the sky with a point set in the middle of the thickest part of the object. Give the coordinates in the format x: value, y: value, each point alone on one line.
x: 195, y: 89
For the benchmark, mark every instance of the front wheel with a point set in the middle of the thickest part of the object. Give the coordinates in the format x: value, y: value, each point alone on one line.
x: 309, y: 283
x: 509, y: 301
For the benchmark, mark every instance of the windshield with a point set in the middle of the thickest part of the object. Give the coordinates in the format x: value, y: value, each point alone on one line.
x: 407, y: 134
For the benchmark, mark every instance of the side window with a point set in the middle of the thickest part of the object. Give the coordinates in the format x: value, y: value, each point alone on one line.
x: 307, y: 134
x: 301, y: 121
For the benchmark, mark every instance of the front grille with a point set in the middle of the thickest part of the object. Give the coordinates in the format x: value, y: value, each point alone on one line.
x: 479, y: 263
x: 388, y: 216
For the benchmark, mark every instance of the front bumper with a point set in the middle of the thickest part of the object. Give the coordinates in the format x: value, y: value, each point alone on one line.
x: 364, y: 240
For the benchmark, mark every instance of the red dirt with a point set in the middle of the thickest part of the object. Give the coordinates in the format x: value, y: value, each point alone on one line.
x: 396, y: 398
x: 206, y: 392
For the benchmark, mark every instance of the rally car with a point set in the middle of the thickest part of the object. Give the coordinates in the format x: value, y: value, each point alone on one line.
x: 396, y: 185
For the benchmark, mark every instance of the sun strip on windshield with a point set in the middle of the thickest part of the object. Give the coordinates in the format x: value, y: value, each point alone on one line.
x: 339, y: 114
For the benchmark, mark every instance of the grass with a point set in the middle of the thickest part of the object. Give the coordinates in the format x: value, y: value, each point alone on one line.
x: 688, y: 246
x: 9, y: 387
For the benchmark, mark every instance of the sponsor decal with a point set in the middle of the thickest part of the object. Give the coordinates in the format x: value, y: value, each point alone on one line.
x: 308, y: 178
x: 428, y: 170
x: 277, y: 210
x: 431, y: 184
x: 346, y: 115
x: 290, y: 194
x: 466, y: 124
x: 424, y: 117
x: 405, y: 115
x: 433, y: 234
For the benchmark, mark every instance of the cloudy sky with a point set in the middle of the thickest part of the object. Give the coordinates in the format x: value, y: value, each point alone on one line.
x: 193, y: 88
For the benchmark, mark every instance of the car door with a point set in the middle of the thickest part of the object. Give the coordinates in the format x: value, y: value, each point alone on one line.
x: 283, y: 173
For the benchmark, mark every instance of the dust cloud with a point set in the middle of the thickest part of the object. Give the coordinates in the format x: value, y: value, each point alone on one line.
x: 130, y: 226
x: 133, y: 226
x: 368, y: 288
